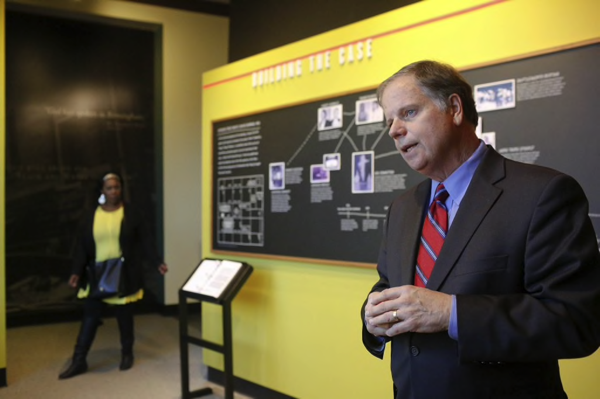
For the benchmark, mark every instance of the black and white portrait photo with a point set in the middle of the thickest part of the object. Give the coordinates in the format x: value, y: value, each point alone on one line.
x: 362, y: 172
x: 277, y: 175
x: 368, y: 111
x: 330, y: 117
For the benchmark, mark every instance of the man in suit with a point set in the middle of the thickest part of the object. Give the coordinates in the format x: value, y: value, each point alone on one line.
x: 516, y: 283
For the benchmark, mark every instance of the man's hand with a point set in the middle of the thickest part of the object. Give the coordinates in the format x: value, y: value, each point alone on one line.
x: 374, y: 321
x: 407, y: 308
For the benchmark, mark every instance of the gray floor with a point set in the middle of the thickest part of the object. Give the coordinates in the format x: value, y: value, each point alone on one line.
x: 36, y: 355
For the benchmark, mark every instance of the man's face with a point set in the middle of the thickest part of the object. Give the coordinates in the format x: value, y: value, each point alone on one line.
x: 423, y: 133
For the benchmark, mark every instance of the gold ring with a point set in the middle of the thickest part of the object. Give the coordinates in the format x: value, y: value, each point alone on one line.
x: 395, y: 316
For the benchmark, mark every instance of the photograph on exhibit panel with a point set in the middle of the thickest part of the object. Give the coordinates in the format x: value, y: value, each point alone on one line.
x: 330, y: 117
x: 362, y: 172
x: 277, y: 175
x: 496, y: 95
x: 318, y: 174
x: 368, y: 111
x: 332, y: 161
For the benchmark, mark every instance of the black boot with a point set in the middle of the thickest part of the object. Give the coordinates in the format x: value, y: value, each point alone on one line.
x: 124, y: 315
x: 78, y: 366
x: 126, y: 361
x: 84, y: 342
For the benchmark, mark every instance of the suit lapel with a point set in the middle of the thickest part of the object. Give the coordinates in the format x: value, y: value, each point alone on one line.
x: 478, y: 200
x: 410, y: 230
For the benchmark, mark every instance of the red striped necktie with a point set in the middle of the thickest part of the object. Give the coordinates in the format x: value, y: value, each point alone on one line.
x: 432, y: 237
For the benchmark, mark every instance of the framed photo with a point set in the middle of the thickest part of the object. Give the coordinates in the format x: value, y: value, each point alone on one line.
x: 330, y: 117
x: 368, y: 111
x: 363, y: 167
x: 277, y: 175
x: 332, y: 161
x: 496, y: 95
x: 318, y: 174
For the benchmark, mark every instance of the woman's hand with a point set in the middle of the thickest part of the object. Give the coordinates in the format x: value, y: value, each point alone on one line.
x: 73, y: 280
x: 163, y: 268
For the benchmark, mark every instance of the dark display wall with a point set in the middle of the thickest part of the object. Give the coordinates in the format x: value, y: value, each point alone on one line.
x: 80, y: 101
x: 301, y: 182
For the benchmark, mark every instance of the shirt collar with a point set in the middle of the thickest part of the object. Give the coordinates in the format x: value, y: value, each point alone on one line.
x: 458, y: 182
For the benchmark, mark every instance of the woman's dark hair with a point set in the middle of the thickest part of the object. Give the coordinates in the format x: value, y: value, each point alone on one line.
x: 438, y: 81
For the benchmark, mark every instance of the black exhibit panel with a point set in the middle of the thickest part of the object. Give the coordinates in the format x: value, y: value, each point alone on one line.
x: 81, y: 101
x: 314, y: 180
x: 553, y: 121
x: 310, y: 181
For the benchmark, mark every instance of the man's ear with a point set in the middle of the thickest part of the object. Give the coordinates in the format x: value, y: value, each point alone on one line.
x: 456, y: 109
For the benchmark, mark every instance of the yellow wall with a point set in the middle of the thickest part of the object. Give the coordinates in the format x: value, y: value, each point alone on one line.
x: 296, y: 325
x: 2, y: 241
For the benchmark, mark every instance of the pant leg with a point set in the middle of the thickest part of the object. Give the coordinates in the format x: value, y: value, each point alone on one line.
x: 87, y: 333
x: 85, y: 338
x: 124, y: 314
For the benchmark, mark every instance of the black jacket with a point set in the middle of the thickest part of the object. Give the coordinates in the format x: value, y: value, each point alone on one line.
x: 136, y: 243
x: 522, y: 259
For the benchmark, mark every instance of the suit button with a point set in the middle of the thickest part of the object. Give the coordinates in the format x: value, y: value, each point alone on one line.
x: 414, y: 351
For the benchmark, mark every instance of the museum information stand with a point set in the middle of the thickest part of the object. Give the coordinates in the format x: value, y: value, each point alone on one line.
x: 215, y: 281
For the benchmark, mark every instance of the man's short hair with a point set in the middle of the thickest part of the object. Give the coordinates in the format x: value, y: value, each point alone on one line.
x: 438, y: 81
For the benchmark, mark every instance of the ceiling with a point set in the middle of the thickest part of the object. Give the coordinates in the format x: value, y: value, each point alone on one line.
x: 216, y: 7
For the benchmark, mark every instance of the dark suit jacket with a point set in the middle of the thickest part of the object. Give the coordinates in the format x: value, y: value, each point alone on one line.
x: 136, y: 245
x: 522, y: 259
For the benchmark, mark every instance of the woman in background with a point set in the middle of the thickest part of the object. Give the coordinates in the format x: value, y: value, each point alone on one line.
x: 114, y: 229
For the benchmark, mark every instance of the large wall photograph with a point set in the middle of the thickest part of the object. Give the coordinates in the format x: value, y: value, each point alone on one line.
x: 81, y: 100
